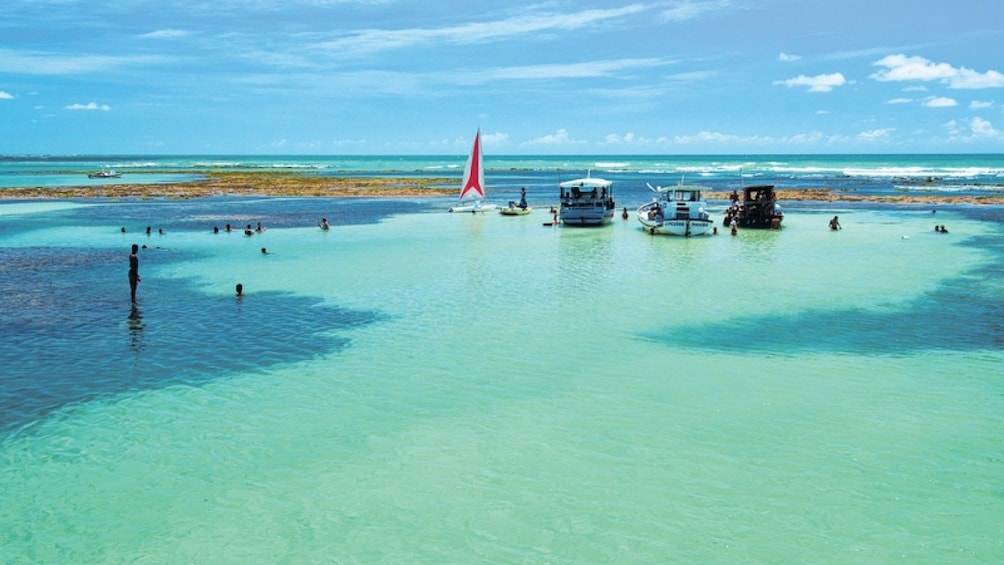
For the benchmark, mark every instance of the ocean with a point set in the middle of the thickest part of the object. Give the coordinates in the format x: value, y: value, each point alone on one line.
x: 419, y: 386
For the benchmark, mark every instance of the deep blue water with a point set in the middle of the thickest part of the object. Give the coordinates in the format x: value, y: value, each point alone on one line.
x: 59, y: 300
x: 74, y: 302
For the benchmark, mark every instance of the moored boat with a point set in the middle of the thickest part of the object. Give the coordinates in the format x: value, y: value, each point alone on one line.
x: 758, y: 209
x: 513, y: 210
x: 678, y: 210
x: 109, y: 174
x: 586, y: 202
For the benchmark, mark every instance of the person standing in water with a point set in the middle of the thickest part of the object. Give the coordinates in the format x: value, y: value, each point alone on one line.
x: 133, y: 271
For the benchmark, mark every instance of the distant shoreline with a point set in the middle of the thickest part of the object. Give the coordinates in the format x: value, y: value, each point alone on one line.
x: 279, y: 184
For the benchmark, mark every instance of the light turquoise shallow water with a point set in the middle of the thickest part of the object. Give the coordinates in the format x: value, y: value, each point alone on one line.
x: 532, y: 394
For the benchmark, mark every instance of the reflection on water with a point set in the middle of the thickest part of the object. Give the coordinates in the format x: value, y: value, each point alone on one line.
x: 135, y: 324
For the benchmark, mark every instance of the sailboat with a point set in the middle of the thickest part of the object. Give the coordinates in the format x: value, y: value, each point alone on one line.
x: 472, y: 191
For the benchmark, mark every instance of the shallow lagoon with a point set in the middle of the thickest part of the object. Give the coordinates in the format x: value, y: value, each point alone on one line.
x: 414, y: 385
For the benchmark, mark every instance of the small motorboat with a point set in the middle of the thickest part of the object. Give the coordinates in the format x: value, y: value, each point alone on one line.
x: 513, y: 209
x: 109, y: 174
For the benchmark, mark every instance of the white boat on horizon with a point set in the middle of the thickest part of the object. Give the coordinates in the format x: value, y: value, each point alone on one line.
x: 678, y: 210
x: 586, y: 202
x: 105, y: 174
x: 472, y: 190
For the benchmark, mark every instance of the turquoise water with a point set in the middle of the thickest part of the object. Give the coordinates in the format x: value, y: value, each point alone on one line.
x: 417, y: 386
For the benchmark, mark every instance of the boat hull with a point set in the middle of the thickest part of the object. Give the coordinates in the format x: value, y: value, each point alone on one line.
x: 682, y: 228
x: 474, y: 209
x: 515, y: 211
x: 678, y: 210
x: 585, y: 216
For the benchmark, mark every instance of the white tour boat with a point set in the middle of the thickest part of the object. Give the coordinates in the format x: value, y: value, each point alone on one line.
x: 586, y: 202
x: 678, y: 210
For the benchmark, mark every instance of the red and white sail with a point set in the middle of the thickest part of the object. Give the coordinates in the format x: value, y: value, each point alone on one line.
x: 474, y: 173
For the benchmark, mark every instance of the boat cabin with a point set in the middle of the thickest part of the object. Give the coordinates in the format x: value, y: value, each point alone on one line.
x: 587, y: 201
x: 759, y: 208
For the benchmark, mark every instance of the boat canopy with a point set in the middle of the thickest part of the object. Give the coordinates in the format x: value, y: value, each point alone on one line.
x: 682, y: 193
x: 586, y: 183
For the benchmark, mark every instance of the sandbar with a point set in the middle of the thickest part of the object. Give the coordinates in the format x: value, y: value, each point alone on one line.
x: 273, y: 183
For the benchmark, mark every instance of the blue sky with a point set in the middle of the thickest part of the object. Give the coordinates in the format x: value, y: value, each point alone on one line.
x: 548, y: 77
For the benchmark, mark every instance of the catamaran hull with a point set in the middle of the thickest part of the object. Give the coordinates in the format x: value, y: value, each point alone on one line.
x: 474, y: 209
x: 684, y: 228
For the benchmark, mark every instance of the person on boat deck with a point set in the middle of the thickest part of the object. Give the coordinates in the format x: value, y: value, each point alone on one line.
x: 835, y: 223
x: 324, y: 224
x: 522, y: 198
x: 658, y: 215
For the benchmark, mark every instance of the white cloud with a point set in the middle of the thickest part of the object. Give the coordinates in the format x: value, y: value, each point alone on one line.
x: 940, y: 102
x: 690, y: 10
x: 982, y: 128
x: 974, y: 128
x: 822, y: 112
x: 58, y: 64
x: 818, y: 83
x: 6, y: 95
x: 495, y: 139
x: 718, y: 137
x: 165, y: 34
x: 899, y: 101
x: 980, y: 104
x: 875, y: 134
x: 89, y: 106
x: 705, y: 136
x: 626, y: 139
x: 903, y: 68
x: 786, y: 58
x: 804, y: 138
x: 370, y: 40
x: 557, y: 138
x: 572, y: 70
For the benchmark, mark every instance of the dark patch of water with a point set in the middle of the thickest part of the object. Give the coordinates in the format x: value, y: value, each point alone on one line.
x: 70, y: 332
